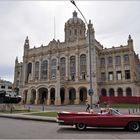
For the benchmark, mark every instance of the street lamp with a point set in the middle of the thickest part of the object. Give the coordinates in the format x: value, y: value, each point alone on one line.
x: 90, y: 91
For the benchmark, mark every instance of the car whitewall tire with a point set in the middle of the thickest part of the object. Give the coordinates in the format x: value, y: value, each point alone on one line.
x: 134, y: 126
x: 81, y: 126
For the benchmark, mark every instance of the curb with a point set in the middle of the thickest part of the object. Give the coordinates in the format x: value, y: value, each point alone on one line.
x: 27, y: 117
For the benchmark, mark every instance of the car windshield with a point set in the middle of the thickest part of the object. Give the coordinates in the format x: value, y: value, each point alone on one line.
x: 114, y: 112
x: 109, y: 111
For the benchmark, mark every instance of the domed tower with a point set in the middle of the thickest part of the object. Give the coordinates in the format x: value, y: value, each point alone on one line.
x: 74, y: 28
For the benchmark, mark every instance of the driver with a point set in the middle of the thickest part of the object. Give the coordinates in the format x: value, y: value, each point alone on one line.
x: 104, y: 111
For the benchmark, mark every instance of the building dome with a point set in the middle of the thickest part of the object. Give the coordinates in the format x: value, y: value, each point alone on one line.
x: 74, y: 28
x: 74, y: 20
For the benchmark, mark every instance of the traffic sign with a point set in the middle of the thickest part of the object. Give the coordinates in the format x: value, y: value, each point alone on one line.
x: 90, y: 92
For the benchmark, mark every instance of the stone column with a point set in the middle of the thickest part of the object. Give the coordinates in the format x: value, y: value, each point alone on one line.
x: 49, y: 71
x: 132, y: 66
x: 57, y: 90
x: 124, y: 91
x: 114, y: 68
x: 77, y: 100
x: 115, y: 91
x: 57, y: 101
x: 37, y: 98
x: 66, y: 101
x: 48, y: 100
x: 77, y: 66
x: 122, y: 67
x: 40, y: 61
x: 88, y: 72
x: 67, y: 66
x: 28, y: 96
x: 33, y: 70
x: 106, y: 68
x: 57, y: 98
x: 94, y: 74
x: 24, y: 70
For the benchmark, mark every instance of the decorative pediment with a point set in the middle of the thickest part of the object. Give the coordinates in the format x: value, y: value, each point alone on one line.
x: 53, y: 44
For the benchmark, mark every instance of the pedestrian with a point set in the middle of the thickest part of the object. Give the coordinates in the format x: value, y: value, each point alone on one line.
x: 98, y: 104
x: 88, y: 107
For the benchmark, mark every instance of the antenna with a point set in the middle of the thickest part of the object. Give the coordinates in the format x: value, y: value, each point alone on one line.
x: 54, y: 27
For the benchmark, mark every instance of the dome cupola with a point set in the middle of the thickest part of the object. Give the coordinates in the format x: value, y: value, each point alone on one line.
x: 74, y: 28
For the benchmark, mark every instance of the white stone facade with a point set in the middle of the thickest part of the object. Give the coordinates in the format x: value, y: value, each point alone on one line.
x: 58, y: 73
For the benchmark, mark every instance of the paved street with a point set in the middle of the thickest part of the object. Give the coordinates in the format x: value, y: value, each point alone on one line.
x: 23, y: 129
x: 29, y: 129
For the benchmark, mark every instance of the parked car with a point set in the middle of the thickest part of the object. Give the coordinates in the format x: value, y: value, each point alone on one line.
x: 105, y: 118
x: 9, y: 97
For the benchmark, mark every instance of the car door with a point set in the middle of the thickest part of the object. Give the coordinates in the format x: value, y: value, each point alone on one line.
x: 107, y: 120
x: 102, y: 120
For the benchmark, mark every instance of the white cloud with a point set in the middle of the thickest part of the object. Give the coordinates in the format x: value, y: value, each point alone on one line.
x: 112, y: 21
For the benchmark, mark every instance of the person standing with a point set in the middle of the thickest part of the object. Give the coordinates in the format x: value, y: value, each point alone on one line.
x: 88, y: 107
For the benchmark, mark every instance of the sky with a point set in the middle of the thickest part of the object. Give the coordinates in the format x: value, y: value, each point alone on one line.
x: 113, y: 21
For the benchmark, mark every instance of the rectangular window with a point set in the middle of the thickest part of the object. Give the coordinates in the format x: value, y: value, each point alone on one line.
x: 119, y: 75
x: 118, y: 60
x: 103, y: 76
x: 102, y: 62
x: 9, y: 87
x: 3, y: 87
x: 75, y: 32
x: 110, y: 61
x: 126, y: 58
x: 127, y: 74
x: 53, y: 73
x: 70, y: 32
x: 17, y: 83
x: 110, y: 76
x: 73, y: 77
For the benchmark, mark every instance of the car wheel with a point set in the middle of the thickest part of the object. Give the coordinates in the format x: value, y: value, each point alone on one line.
x: 134, y: 126
x: 81, y: 126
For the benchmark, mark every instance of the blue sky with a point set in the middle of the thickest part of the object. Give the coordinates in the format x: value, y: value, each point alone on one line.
x: 113, y: 21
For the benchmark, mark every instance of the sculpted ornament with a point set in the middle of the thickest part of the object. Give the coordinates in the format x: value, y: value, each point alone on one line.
x: 53, y: 45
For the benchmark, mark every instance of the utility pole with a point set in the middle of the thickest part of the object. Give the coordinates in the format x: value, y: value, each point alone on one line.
x: 90, y: 91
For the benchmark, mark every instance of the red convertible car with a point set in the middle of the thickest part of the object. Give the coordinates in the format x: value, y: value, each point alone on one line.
x: 106, y: 118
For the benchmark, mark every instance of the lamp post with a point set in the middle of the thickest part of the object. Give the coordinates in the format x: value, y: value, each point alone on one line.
x: 90, y: 91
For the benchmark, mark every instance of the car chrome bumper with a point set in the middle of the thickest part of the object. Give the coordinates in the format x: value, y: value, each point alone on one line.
x: 60, y: 122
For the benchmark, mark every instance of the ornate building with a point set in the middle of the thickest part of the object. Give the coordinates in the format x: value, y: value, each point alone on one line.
x: 58, y: 73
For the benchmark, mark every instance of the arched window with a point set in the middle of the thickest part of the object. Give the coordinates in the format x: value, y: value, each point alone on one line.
x: 128, y: 92
x: 72, y: 67
x: 53, y: 68
x: 111, y: 92
x: 44, y: 69
x: 83, y: 66
x: 120, y: 92
x: 29, y: 71
x: 36, y: 70
x: 103, y: 92
x: 62, y: 67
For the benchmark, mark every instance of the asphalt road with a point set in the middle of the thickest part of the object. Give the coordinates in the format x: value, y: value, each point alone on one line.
x: 23, y: 129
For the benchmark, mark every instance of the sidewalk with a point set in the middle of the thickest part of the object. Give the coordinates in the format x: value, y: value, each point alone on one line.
x: 26, y: 116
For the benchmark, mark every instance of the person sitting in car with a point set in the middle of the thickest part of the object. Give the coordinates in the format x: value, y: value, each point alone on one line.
x: 104, y: 111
